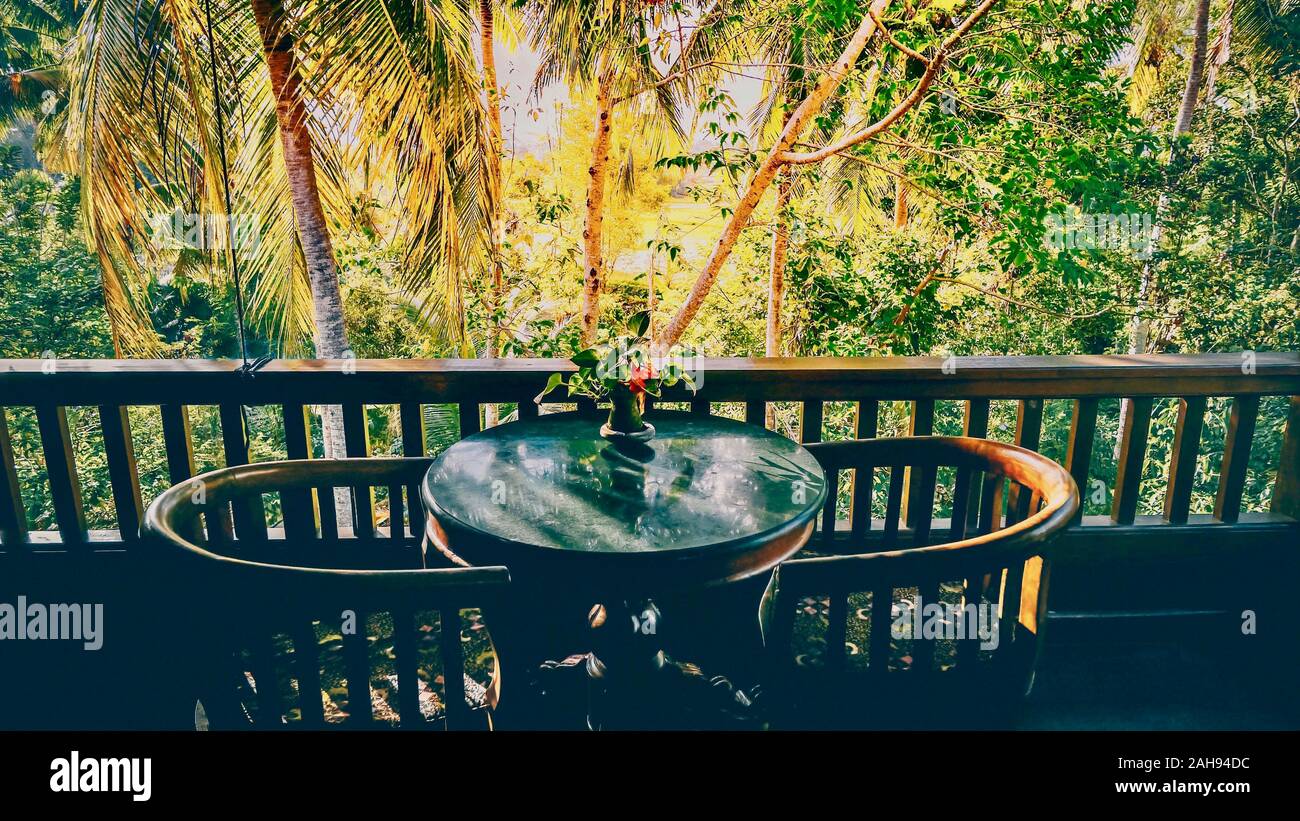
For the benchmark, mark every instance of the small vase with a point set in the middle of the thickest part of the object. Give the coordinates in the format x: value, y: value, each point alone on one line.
x: 625, y: 423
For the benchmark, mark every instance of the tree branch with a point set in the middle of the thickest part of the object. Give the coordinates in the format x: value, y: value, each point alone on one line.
x: 907, y: 104
x: 915, y: 55
x: 1021, y: 303
x: 766, y: 173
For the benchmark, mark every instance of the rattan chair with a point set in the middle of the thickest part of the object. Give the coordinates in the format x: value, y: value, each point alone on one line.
x: 325, y: 614
x: 843, y: 646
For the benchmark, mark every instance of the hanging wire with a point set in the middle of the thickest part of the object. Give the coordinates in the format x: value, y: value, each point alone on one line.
x: 247, y: 367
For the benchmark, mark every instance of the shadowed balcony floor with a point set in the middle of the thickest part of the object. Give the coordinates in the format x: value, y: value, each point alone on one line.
x: 1155, y: 685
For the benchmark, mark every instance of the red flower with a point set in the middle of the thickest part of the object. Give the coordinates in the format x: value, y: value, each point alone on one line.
x: 636, y: 382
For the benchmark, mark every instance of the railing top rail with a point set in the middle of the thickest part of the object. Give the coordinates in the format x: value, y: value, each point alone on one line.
x: 374, y: 381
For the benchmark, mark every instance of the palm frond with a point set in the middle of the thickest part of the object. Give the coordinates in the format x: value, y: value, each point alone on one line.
x: 406, y: 79
x: 141, y: 131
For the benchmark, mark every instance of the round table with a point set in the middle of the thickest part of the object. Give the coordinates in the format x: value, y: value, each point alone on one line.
x: 581, y: 521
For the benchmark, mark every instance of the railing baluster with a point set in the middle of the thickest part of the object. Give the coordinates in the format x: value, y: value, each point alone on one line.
x: 413, y: 446
x: 976, y: 422
x: 329, y: 519
x: 1029, y: 423
x: 1286, y: 491
x: 1182, y: 460
x: 1236, y: 457
x: 864, y: 427
x: 921, y: 423
x: 250, y: 515
x: 810, y: 421
x: 123, y: 475
x: 469, y: 419
x: 177, y: 442
x: 396, y: 515
x: 893, y: 507
x: 961, y: 497
x: 1029, y: 430
x: 860, y: 504
x: 923, y: 504
x: 976, y: 426
x: 297, y: 504
x: 1078, y: 453
x: 13, y: 516
x: 453, y: 668
x: 357, y: 438
x: 61, y: 469
x: 866, y: 419
x: 1132, y: 454
x: 297, y: 431
x: 990, y: 517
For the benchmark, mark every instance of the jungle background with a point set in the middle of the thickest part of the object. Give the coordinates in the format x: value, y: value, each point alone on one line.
x: 453, y: 193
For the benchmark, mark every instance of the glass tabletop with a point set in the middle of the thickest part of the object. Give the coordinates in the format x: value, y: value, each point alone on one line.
x: 553, y: 482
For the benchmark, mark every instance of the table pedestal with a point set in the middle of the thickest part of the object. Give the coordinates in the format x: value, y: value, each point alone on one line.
x: 633, y: 685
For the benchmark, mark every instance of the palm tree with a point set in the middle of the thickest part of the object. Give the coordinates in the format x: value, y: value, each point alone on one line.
x: 1161, y: 28
x: 614, y: 51
x: 307, y: 94
x: 492, y: 97
x: 31, y: 35
x: 1158, y: 27
x: 279, y: 51
x: 401, y: 80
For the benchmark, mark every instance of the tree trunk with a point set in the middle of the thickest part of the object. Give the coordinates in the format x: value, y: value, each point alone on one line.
x: 1196, y: 70
x: 900, y: 203
x: 766, y: 173
x: 593, y: 233
x: 309, y: 215
x: 492, y: 346
x: 776, y: 278
x: 776, y: 268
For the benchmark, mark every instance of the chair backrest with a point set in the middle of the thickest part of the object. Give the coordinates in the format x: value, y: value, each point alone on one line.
x: 981, y: 574
x: 312, y: 610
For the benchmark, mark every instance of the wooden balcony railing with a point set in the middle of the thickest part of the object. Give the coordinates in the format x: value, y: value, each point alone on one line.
x: 1167, y: 560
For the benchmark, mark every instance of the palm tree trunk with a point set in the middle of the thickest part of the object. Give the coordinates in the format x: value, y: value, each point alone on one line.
x: 1196, y: 71
x: 313, y: 231
x: 593, y: 233
x: 309, y: 215
x: 486, y: 29
x: 497, y: 287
